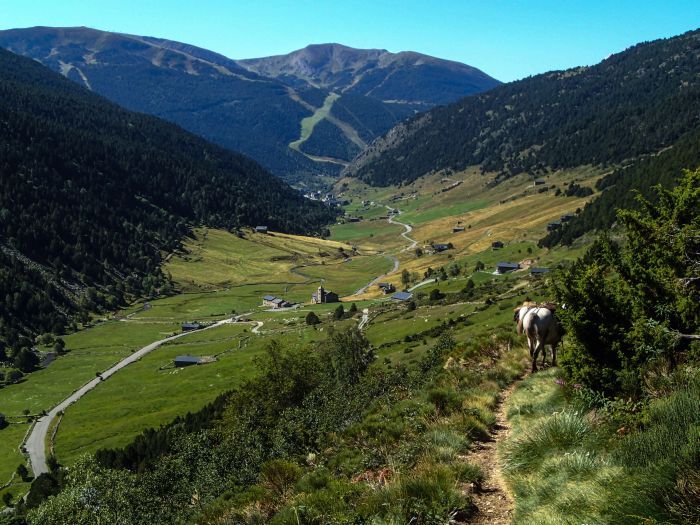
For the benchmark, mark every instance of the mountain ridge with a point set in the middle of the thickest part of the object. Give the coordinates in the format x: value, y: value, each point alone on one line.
x: 221, y: 100
x: 343, y: 68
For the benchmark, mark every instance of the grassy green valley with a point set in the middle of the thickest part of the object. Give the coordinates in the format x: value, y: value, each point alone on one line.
x: 220, y: 275
x: 491, y: 316
x: 434, y: 368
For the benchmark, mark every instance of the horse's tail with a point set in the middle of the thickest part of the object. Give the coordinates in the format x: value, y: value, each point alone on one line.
x: 533, y: 330
x: 520, y: 326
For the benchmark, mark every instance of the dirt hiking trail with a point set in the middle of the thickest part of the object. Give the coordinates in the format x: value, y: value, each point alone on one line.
x: 493, y: 500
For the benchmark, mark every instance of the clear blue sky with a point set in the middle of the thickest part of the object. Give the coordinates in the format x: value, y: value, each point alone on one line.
x: 507, y: 39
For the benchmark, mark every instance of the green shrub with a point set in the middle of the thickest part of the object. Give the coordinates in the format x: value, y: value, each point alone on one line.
x: 444, y: 444
x: 279, y: 476
x: 627, y: 302
x: 428, y: 496
x: 468, y: 472
x: 328, y: 504
x: 436, y: 294
x: 312, y: 319
x: 446, y: 400
x: 474, y: 428
x: 315, y: 480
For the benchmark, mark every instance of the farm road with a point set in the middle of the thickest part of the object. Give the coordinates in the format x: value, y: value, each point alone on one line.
x: 35, y: 444
x: 408, y: 229
x: 412, y: 244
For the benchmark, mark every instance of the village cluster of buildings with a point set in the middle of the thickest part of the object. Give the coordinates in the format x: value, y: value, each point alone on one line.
x: 272, y: 301
x: 327, y: 198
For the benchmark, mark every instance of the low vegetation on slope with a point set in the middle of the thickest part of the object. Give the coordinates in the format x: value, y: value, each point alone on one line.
x: 318, y: 436
x: 93, y: 195
x: 633, y: 103
x: 567, y: 464
x: 614, y: 436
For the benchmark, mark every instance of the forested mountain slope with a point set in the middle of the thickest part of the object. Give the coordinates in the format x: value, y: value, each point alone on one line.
x: 92, y: 195
x: 219, y: 99
x: 623, y: 185
x: 635, y: 102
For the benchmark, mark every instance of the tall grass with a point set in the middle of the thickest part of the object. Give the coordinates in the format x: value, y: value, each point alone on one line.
x: 669, y: 423
x: 568, y: 467
x: 561, y: 433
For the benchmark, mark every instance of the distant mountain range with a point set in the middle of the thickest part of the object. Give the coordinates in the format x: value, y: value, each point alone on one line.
x: 301, y: 115
x: 93, y: 196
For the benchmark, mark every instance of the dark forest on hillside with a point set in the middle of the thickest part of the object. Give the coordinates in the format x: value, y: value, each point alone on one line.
x: 623, y: 185
x: 92, y: 195
x: 635, y: 102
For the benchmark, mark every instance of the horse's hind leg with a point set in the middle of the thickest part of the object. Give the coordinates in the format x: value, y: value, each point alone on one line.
x: 536, y: 352
x: 544, y: 355
x: 554, y: 355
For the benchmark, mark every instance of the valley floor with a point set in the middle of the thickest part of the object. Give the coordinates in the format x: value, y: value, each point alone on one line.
x: 221, y: 276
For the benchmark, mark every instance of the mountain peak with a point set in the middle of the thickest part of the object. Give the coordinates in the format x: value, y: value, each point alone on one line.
x: 366, y: 71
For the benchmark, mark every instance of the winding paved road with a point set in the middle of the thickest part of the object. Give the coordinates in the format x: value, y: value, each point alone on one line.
x: 423, y: 283
x: 405, y: 235
x: 377, y: 279
x: 413, y: 243
x: 35, y: 444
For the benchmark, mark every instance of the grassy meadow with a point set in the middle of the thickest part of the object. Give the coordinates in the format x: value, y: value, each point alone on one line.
x: 377, y: 234
x: 513, y: 212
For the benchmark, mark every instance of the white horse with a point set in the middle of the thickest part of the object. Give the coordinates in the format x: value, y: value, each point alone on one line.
x: 542, y: 328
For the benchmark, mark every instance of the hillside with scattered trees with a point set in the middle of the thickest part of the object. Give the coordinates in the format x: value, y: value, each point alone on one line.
x: 621, y: 188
